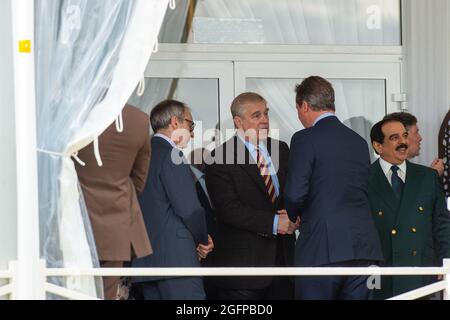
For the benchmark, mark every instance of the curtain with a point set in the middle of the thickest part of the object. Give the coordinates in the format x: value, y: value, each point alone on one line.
x: 427, y: 41
x: 160, y: 89
x: 319, y: 22
x: 90, y: 55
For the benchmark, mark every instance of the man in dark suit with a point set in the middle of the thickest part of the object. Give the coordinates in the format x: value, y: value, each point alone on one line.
x: 409, y: 210
x: 174, y: 218
x: 110, y: 192
x: 245, y: 183
x: 327, y: 188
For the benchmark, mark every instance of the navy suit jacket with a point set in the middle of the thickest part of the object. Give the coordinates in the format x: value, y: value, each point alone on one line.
x: 174, y: 218
x: 327, y: 186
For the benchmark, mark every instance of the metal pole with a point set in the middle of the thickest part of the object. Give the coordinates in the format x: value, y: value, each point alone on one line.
x: 27, y: 276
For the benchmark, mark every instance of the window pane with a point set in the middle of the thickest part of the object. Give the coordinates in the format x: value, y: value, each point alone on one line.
x: 316, y: 22
x: 201, y: 95
x: 359, y: 103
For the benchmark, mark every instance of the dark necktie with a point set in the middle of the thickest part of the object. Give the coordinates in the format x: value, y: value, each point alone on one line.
x: 397, y: 183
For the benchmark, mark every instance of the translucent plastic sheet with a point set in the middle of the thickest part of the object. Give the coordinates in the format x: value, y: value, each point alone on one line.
x: 90, y: 54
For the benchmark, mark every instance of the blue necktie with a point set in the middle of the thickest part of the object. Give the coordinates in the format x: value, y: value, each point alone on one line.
x: 397, y: 183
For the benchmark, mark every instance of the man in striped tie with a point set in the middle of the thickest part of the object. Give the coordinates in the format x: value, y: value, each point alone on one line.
x: 246, y: 183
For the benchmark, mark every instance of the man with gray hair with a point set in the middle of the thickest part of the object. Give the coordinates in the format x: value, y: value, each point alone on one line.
x: 173, y: 215
x: 246, y: 183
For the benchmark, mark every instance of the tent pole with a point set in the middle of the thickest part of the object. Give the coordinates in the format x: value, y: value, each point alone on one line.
x: 28, y: 278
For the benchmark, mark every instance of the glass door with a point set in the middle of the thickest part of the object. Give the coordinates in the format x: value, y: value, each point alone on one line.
x: 363, y: 91
x: 206, y: 87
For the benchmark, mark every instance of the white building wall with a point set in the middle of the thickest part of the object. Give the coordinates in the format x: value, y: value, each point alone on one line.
x: 426, y: 27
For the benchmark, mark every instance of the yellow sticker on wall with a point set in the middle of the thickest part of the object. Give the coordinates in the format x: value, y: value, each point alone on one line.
x: 25, y: 46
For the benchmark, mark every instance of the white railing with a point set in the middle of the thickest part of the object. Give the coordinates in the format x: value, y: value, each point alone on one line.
x: 443, y: 285
x: 7, y: 289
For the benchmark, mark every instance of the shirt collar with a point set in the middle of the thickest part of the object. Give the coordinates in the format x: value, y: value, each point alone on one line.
x: 323, y: 116
x: 250, y: 146
x: 386, y: 166
x: 162, y: 136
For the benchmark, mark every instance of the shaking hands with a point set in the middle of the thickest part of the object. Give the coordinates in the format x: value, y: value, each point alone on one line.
x: 285, y: 225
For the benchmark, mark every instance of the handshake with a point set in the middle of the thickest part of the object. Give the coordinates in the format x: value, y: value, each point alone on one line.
x: 285, y: 225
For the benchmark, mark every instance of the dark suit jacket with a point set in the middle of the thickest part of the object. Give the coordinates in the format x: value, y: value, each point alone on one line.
x: 414, y: 230
x: 245, y: 215
x: 111, y: 191
x: 211, y: 223
x: 173, y: 216
x: 327, y: 187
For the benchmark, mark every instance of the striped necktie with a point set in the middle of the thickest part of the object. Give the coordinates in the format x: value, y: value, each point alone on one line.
x: 265, y: 174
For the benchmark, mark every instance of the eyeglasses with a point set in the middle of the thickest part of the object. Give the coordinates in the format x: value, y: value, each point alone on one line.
x: 192, y: 124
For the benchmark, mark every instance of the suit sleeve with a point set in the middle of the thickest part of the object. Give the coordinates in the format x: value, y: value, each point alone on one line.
x: 230, y: 209
x: 441, y: 222
x: 141, y: 163
x: 300, y: 167
x: 180, y: 189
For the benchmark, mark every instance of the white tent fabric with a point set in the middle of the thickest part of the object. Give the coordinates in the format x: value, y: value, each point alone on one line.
x: 90, y: 56
x: 427, y: 42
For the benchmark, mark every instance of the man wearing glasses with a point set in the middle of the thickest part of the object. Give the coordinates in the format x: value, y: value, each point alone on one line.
x: 173, y: 215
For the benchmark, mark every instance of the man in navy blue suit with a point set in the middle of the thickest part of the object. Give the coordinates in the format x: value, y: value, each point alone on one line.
x: 327, y: 187
x: 173, y: 215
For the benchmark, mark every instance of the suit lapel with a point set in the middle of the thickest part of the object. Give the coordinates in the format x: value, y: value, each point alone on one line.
x: 413, y: 178
x: 384, y: 189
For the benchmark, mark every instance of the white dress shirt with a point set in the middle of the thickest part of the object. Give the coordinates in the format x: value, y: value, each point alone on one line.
x: 386, y: 167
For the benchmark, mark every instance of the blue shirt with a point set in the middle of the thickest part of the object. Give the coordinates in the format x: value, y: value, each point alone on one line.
x: 323, y: 116
x: 268, y: 160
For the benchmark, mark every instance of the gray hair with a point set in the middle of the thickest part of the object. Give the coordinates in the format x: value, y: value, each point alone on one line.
x: 238, y: 105
x: 317, y: 92
x: 162, y: 114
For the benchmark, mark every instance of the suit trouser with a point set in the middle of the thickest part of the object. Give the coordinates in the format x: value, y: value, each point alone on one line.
x: 184, y: 288
x: 281, y: 288
x: 334, y: 287
x: 111, y: 284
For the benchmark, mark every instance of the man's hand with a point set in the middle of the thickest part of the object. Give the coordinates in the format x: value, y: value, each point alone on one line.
x: 204, y: 250
x: 438, y: 165
x: 285, y: 225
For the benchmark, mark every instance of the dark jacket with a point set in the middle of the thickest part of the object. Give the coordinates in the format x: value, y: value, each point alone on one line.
x: 414, y: 230
x: 173, y: 216
x: 245, y: 214
x: 327, y: 186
